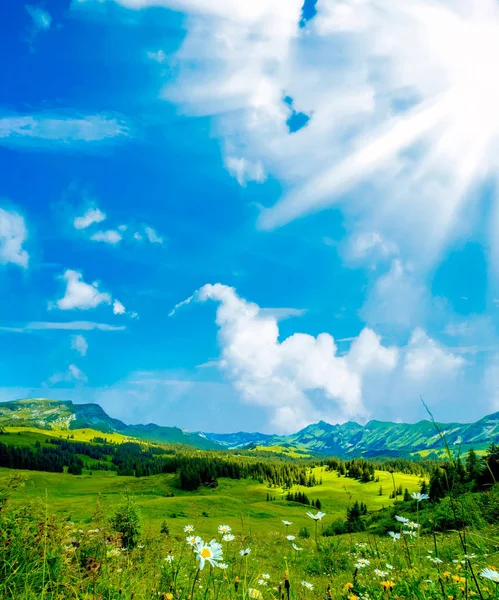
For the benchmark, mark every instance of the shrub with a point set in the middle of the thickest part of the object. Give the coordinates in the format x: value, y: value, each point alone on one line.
x: 126, y: 521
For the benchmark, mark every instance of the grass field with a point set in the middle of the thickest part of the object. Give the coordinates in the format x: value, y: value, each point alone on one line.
x: 234, y: 501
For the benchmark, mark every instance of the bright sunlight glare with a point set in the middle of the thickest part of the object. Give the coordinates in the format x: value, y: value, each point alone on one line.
x: 445, y: 59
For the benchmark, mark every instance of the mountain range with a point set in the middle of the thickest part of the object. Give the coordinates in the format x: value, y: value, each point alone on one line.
x: 375, y: 438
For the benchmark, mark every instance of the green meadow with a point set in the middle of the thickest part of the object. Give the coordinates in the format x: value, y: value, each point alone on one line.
x: 233, y: 501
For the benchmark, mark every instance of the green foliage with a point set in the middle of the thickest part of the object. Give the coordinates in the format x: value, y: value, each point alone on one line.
x: 126, y: 521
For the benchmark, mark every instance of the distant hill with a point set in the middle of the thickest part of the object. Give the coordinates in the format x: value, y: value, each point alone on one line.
x: 376, y: 438
x: 55, y: 414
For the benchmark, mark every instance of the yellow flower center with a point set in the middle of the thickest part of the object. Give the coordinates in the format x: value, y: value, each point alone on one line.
x: 205, y: 552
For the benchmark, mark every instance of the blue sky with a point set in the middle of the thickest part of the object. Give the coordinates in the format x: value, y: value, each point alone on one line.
x: 325, y: 205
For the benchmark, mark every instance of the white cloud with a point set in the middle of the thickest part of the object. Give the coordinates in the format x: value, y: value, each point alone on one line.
x: 52, y: 131
x: 282, y: 313
x: 159, y: 56
x: 80, y: 344
x: 13, y: 234
x: 152, y: 236
x: 370, y: 244
x: 118, y: 308
x: 91, y: 216
x: 34, y: 326
x: 110, y: 236
x: 72, y: 375
x: 398, y: 298
x: 281, y: 375
x: 400, y: 95
x: 42, y: 19
x: 244, y: 170
x: 425, y: 358
x: 80, y: 295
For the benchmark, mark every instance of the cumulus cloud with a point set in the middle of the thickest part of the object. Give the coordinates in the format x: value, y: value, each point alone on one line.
x: 80, y: 295
x: 13, y: 235
x: 425, y: 358
x: 92, y: 215
x: 118, y: 308
x: 80, y: 344
x: 281, y: 375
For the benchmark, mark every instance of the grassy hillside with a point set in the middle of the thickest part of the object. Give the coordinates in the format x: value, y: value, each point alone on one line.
x: 233, y: 501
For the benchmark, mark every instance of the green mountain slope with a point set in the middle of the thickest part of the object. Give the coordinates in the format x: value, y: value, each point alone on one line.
x: 377, y: 438
x: 44, y: 413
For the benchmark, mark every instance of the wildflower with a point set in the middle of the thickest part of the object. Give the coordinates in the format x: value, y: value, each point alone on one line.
x: 223, y: 566
x: 362, y: 563
x: 262, y: 582
x: 402, y: 519
x: 192, y: 540
x: 388, y: 585
x: 491, y: 574
x: 255, y: 594
x: 223, y: 529
x: 394, y: 536
x: 353, y: 597
x: 435, y: 560
x: 418, y: 496
x: 316, y: 517
x: 349, y: 586
x: 228, y: 537
x: 290, y: 537
x: 265, y: 576
x: 380, y: 573
x: 245, y: 552
x: 188, y: 528
x: 308, y: 585
x: 409, y: 533
x: 170, y: 558
x: 388, y: 566
x: 296, y: 547
x: 446, y: 574
x: 412, y: 525
x: 211, y: 552
x: 287, y: 523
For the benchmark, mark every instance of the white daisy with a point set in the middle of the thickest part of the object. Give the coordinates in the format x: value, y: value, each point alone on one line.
x: 308, y: 585
x: 245, y: 552
x: 188, y: 528
x: 228, y: 537
x: 211, y: 552
x: 316, y: 517
x: 287, y: 523
x: 223, y: 529
x: 290, y: 537
x: 491, y: 574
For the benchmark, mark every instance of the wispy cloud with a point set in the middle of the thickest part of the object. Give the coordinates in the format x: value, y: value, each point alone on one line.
x: 35, y: 326
x: 110, y: 236
x: 56, y: 131
x: 41, y: 18
x: 72, y: 374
